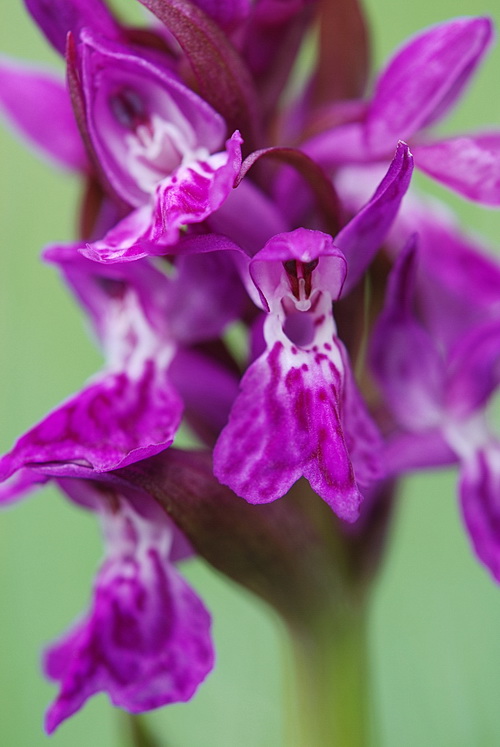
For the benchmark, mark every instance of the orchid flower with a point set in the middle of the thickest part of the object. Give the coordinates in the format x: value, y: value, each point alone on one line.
x: 146, y: 638
x: 157, y: 145
x: 299, y: 412
x: 437, y: 387
x: 131, y: 410
x: 417, y: 87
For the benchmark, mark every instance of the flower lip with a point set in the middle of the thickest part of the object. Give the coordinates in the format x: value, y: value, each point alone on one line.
x: 143, y: 122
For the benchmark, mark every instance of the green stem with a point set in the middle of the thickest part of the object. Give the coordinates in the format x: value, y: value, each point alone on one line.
x: 330, y: 658
x: 137, y: 733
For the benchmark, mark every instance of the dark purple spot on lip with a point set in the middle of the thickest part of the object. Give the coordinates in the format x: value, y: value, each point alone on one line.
x: 128, y: 108
x: 319, y: 357
x: 295, y: 269
x: 327, y: 346
x: 112, y: 287
x: 290, y: 268
x: 309, y: 266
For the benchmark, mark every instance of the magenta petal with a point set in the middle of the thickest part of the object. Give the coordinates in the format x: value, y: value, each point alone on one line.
x: 339, y: 146
x: 248, y: 217
x: 363, y: 440
x: 407, y: 451
x: 114, y: 421
x: 479, y: 491
x: 128, y: 241
x: 43, y: 114
x: 469, y: 164
x: 146, y: 641
x: 474, y: 370
x: 56, y: 17
x: 19, y: 484
x: 227, y: 13
x: 125, y: 302
x: 459, y: 279
x: 196, y: 191
x: 409, y: 373
x: 404, y: 358
x: 360, y: 239
x: 424, y: 78
x: 190, y: 195
x: 285, y: 424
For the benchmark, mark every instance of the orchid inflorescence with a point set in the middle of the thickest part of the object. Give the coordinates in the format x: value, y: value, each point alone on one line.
x: 256, y: 268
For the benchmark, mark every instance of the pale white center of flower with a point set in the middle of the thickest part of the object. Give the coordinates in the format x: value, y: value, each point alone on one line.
x: 157, y: 148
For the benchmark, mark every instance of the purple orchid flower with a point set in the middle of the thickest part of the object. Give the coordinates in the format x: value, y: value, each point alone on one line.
x: 146, y: 639
x: 56, y: 18
x: 157, y: 144
x: 131, y: 410
x: 299, y: 412
x: 418, y: 86
x: 438, y: 387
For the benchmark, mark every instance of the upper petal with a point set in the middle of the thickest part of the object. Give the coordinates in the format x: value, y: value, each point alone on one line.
x: 196, y: 191
x: 43, y: 114
x: 56, y: 17
x: 404, y: 358
x: 305, y: 246
x: 458, y: 285
x: 424, y: 78
x: 469, y: 164
x: 474, y: 370
x: 116, y: 296
x: 360, y: 239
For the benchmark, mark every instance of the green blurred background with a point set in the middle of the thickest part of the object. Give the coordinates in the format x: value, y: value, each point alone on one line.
x: 435, y: 623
